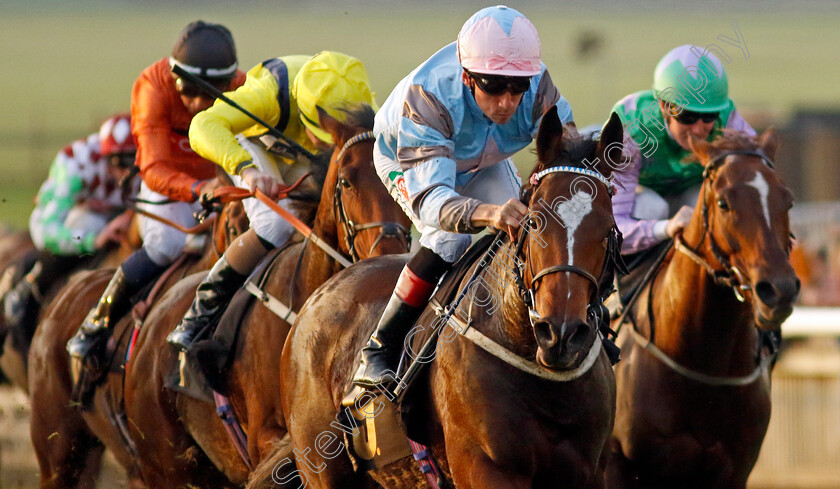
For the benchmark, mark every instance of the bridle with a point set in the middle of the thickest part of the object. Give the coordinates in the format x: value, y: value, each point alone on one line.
x: 597, y: 313
x: 351, y: 229
x: 729, y: 275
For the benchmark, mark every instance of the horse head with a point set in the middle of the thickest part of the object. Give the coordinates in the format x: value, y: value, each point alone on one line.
x: 740, y: 227
x: 570, y: 241
x: 369, y: 222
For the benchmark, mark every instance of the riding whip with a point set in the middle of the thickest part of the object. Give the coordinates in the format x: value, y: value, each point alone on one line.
x: 293, y: 148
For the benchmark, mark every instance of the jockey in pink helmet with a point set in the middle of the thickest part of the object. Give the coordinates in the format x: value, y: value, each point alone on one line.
x: 444, y: 139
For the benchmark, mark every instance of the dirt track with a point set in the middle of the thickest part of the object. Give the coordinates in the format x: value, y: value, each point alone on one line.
x: 18, y: 465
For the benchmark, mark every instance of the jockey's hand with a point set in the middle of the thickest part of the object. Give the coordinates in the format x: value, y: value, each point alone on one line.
x: 209, y: 187
x: 266, y: 182
x: 114, y: 231
x: 679, y: 221
x: 504, y: 217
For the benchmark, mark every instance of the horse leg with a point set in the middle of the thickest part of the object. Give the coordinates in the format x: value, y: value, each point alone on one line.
x: 619, y: 473
x: 69, y: 456
x: 473, y: 469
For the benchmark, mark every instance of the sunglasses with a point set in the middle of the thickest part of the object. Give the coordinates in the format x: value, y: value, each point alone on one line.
x: 687, y: 117
x: 189, y: 89
x: 497, y: 85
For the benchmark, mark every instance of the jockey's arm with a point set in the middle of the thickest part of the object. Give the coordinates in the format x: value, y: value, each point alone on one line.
x: 213, y: 131
x: 56, y: 197
x: 154, y: 137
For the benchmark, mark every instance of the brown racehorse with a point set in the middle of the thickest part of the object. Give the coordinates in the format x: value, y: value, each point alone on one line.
x: 68, y: 442
x: 355, y: 212
x: 536, y: 410
x: 694, y: 387
x: 17, y: 254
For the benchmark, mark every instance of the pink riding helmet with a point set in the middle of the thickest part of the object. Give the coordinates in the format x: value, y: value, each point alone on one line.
x: 499, y: 41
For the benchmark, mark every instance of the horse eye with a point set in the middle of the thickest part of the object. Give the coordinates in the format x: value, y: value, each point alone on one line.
x: 722, y: 204
x: 344, y: 182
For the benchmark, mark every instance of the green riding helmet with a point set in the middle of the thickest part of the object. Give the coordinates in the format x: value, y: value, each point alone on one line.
x: 692, y: 78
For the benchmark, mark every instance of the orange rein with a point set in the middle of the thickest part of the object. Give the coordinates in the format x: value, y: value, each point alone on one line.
x: 225, y: 195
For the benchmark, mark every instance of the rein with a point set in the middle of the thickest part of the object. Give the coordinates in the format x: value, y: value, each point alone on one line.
x: 596, y: 311
x: 730, y: 275
x: 351, y: 229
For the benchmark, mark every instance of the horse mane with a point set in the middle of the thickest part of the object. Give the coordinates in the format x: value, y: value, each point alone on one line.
x: 360, y: 115
x: 303, y: 202
x: 728, y: 140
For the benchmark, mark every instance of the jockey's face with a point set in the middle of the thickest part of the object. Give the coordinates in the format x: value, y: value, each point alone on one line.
x: 680, y: 131
x: 498, y: 108
x: 320, y: 145
x: 194, y: 105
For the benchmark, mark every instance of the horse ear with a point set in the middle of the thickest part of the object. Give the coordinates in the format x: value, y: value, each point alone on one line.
x: 549, y: 136
x: 331, y: 125
x: 768, y: 142
x: 699, y: 147
x: 610, y: 146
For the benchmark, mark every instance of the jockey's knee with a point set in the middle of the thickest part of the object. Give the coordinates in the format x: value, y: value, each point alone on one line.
x: 648, y: 205
x: 164, y: 254
x: 449, y: 246
x: 275, y: 231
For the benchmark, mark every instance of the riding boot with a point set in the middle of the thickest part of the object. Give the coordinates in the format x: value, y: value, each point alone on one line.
x: 411, y: 294
x: 211, y: 297
x: 17, y: 300
x: 115, y: 298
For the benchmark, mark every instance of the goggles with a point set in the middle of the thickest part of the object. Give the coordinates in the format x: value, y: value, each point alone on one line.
x: 497, y: 84
x: 191, y: 90
x: 687, y: 117
x: 121, y: 160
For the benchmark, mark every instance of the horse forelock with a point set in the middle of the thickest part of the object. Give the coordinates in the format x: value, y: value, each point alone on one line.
x: 359, y: 115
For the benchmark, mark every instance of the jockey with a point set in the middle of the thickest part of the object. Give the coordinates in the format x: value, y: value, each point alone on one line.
x: 443, y: 142
x: 285, y: 92
x: 162, y: 107
x: 75, y: 209
x: 690, y: 96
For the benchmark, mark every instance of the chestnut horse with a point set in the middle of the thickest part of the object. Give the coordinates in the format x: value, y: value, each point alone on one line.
x: 69, y: 442
x: 534, y: 408
x: 694, y: 387
x: 17, y: 255
x: 355, y: 213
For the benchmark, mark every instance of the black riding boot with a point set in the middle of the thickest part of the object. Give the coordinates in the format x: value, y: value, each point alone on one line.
x: 381, y: 354
x: 17, y: 300
x: 211, y: 297
x: 113, y: 303
x: 414, y: 287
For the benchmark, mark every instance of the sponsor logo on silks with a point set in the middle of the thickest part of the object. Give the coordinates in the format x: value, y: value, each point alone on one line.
x: 399, y: 181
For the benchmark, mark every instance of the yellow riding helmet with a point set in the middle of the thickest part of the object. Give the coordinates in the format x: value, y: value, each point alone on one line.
x: 332, y: 81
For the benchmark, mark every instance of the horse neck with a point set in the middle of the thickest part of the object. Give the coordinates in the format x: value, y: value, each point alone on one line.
x: 318, y: 266
x: 505, y: 318
x: 697, y: 321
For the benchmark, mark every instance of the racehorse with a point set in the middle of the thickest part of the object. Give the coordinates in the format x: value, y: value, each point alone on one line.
x: 357, y: 216
x: 694, y: 385
x: 69, y: 442
x: 17, y: 256
x: 534, y: 409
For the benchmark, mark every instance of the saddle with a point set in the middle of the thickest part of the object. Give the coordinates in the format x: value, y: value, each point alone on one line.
x: 386, y: 437
x: 204, y: 368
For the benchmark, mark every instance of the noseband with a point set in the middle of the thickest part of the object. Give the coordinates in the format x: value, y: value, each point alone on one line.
x: 730, y: 275
x: 351, y: 229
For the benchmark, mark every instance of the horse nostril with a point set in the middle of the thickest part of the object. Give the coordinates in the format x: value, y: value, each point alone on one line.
x: 577, y: 333
x: 545, y: 334
x: 766, y: 292
x: 797, y: 285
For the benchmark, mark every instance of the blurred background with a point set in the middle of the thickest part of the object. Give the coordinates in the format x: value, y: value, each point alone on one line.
x: 69, y: 64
